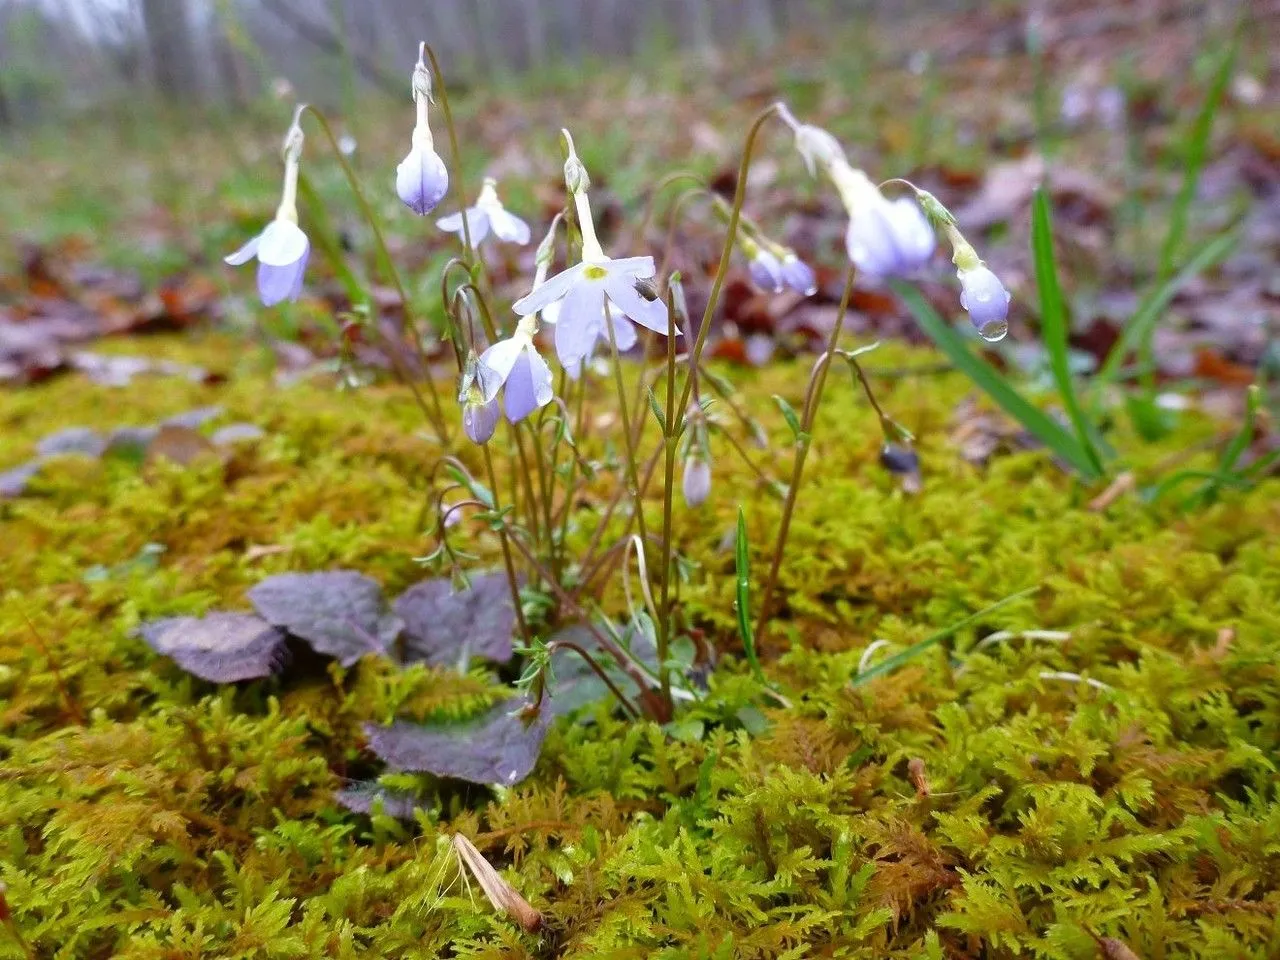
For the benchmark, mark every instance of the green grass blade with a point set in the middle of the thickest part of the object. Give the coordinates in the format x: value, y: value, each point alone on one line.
x: 889, y: 664
x: 744, y: 598
x: 1053, y: 324
x: 1042, y: 426
x: 1142, y: 323
x: 1193, y: 160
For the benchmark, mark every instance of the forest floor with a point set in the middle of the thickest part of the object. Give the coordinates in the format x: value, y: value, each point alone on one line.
x: 1088, y: 769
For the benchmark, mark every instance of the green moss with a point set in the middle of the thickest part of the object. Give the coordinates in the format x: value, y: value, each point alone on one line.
x: 147, y: 814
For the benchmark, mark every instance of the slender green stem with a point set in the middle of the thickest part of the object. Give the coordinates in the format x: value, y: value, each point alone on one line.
x: 817, y: 381
x: 677, y: 209
x: 571, y: 485
x: 436, y: 414
x: 726, y: 255
x: 651, y: 207
x: 507, y: 562
x: 527, y: 476
x: 632, y: 477
x: 659, y: 710
x: 545, y: 488
x: 671, y: 437
x: 598, y: 670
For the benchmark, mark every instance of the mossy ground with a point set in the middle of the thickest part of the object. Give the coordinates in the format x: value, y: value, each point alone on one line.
x: 144, y: 813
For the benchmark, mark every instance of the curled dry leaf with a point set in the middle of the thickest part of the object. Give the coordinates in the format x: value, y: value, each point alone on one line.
x: 501, y: 894
x: 220, y: 647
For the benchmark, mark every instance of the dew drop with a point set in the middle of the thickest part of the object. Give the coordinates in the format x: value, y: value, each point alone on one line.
x: 994, y: 331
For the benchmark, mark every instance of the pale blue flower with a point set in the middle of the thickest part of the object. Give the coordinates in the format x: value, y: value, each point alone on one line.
x: 798, y: 275
x: 987, y: 300
x: 582, y: 292
x: 889, y: 238
x: 487, y: 216
x: 766, y: 270
x: 282, y: 250
x: 514, y: 364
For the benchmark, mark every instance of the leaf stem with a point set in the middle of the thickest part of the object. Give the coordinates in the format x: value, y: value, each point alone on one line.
x: 817, y: 380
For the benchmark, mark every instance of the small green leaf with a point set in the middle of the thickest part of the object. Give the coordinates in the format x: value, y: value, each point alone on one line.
x: 657, y: 411
x: 789, y: 414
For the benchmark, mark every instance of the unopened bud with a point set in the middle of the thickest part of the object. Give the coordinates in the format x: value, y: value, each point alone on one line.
x: 576, y: 179
x: 696, y: 482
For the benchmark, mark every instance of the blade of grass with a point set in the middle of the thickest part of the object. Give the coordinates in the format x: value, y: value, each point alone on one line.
x: 1053, y: 324
x: 743, y: 595
x: 1042, y: 426
x: 1197, y: 146
x: 890, y: 664
x: 1140, y: 326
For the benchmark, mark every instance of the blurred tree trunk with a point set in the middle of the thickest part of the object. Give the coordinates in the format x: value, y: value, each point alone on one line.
x: 535, y: 30
x: 760, y: 24
x: 173, y: 57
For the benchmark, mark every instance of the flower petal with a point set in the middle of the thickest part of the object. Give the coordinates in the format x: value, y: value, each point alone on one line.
x: 509, y: 227
x: 245, y: 253
x: 498, y: 360
x: 422, y: 180
x: 528, y: 387
x: 543, y: 390
x: 477, y: 225
x: 624, y: 331
x: 647, y: 313
x: 549, y: 292
x: 479, y: 420
x: 277, y: 283
x: 766, y: 271
x: 580, y: 323
x: 913, y: 236
x: 799, y: 276
x: 283, y: 243
x: 635, y: 266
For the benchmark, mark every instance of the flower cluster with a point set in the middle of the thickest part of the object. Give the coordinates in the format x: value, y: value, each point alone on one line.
x: 895, y: 238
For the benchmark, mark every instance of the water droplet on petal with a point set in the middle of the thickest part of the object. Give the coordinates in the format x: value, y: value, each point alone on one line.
x: 994, y: 331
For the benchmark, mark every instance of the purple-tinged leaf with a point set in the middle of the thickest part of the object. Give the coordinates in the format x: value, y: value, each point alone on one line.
x: 220, y: 647
x: 73, y: 440
x: 193, y: 419
x: 234, y: 433
x: 338, y: 612
x: 496, y: 749
x: 13, y: 482
x: 367, y: 796
x: 443, y: 626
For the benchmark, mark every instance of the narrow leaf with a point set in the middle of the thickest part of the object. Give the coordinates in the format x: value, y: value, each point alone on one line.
x: 898, y: 659
x: 1053, y: 322
x: 789, y: 414
x: 744, y: 598
x: 1042, y: 426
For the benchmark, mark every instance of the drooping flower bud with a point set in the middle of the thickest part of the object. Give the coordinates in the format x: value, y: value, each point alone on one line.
x: 421, y: 178
x: 479, y: 415
x: 766, y: 270
x: 981, y: 292
x: 695, y: 484
x: 798, y: 275
x: 987, y: 300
